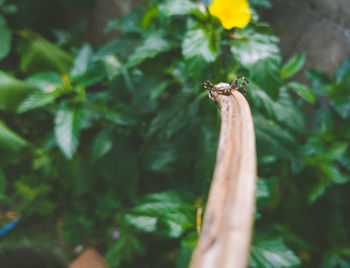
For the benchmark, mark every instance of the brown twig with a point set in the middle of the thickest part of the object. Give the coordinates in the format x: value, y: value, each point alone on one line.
x: 228, y: 221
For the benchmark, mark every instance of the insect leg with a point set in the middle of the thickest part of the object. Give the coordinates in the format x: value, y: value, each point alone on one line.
x: 236, y: 86
x: 235, y: 81
x: 208, y: 85
x: 213, y: 97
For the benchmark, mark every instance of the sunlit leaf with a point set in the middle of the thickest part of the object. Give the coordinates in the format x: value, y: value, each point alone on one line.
x: 293, y: 65
x: 262, y: 189
x: 197, y: 44
x: 271, y: 252
x: 143, y: 223
x: 168, y: 209
x: 152, y: 46
x: 36, y: 100
x: 67, y: 130
x: 253, y: 47
x: 303, y: 91
x: 112, y: 66
x: 180, y: 7
x: 81, y: 62
x: 46, y: 81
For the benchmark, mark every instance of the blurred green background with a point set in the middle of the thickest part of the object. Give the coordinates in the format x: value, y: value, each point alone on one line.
x: 111, y: 143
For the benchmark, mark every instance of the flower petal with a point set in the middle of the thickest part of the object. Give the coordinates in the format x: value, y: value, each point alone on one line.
x: 231, y: 13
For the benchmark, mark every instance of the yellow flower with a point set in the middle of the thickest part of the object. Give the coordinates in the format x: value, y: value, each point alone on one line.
x: 231, y: 13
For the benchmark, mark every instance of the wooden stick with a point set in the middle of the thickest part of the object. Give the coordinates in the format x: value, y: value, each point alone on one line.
x: 228, y: 221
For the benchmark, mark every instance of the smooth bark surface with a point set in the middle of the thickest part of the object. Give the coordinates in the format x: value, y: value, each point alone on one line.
x: 228, y: 221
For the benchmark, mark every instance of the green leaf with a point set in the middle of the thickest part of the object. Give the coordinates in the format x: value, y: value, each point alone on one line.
x: 284, y: 109
x: 151, y: 47
x: 272, y: 139
x: 342, y: 75
x: 260, y: 54
x: 289, y: 114
x: 271, y: 252
x: 336, y: 150
x: 187, y: 246
x: 319, y: 80
x: 303, y: 91
x: 36, y: 100
x: 128, y: 24
x: 180, y: 7
x: 149, y: 16
x: 121, y: 118
x: 125, y: 249
x: 9, y: 140
x: 122, y: 46
x: 82, y: 60
x: 143, y: 223
x: 169, y: 210
x: 158, y: 90
x: 262, y: 189
x: 172, y: 119
x: 102, y: 144
x: 339, y: 256
x: 46, y: 81
x: 160, y: 157
x: 263, y: 101
x: 333, y: 174
x: 196, y: 43
x: 293, y: 65
x: 112, y: 66
x: 341, y: 104
x: 253, y: 47
x: 266, y: 73
x: 317, y: 191
x: 13, y: 91
x: 5, y: 37
x: 67, y: 130
x: 37, y: 55
x: 2, y: 2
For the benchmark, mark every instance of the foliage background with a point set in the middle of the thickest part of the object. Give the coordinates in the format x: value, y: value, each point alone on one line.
x: 122, y: 138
